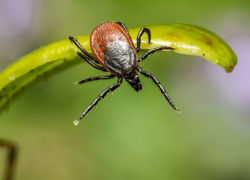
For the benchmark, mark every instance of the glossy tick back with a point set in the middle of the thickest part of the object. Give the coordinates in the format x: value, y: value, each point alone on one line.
x: 114, y: 52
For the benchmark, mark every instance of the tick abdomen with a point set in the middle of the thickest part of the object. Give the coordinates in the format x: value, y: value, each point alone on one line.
x: 119, y: 57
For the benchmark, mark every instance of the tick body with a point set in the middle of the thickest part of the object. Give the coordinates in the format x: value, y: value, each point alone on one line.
x: 113, y: 48
x: 114, y: 52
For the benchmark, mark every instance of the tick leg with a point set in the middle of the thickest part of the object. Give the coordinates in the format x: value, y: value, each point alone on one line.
x: 138, y: 40
x: 101, y: 96
x: 95, y: 79
x: 90, y: 62
x: 149, y: 75
x: 123, y: 25
x: 151, y: 51
x: 11, y: 160
x: 72, y: 39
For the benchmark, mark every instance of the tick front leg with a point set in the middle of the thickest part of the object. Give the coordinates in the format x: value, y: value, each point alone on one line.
x: 151, y: 51
x: 95, y: 79
x: 11, y: 160
x: 139, y: 37
x: 91, y: 63
x: 149, y: 75
x: 123, y: 25
x: 72, y: 39
x: 101, y: 96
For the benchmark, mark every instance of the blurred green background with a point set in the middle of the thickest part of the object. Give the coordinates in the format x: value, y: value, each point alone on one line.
x: 130, y: 135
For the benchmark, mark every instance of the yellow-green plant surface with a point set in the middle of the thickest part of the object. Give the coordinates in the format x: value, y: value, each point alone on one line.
x: 58, y: 56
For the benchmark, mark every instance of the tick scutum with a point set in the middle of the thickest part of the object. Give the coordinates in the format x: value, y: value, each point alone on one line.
x: 119, y: 58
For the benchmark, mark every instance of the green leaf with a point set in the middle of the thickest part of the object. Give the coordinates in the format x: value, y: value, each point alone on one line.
x: 59, y: 56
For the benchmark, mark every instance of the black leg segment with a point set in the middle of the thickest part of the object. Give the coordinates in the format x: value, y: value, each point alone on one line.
x: 139, y: 37
x: 154, y: 50
x: 123, y: 25
x: 101, y: 96
x: 90, y: 62
x: 11, y: 160
x: 95, y: 79
x: 149, y: 75
x: 72, y: 39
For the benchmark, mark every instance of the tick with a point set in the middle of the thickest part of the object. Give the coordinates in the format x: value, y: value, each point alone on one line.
x: 114, y: 52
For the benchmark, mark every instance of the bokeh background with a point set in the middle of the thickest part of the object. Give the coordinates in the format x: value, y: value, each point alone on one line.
x: 130, y: 135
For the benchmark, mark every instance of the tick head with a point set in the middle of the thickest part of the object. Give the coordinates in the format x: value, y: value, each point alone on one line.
x: 132, y: 78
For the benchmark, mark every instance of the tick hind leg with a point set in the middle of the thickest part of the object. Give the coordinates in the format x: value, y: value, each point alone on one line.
x: 11, y: 160
x: 151, y: 51
x: 149, y: 75
x: 138, y: 40
x: 101, y: 96
x: 95, y: 79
